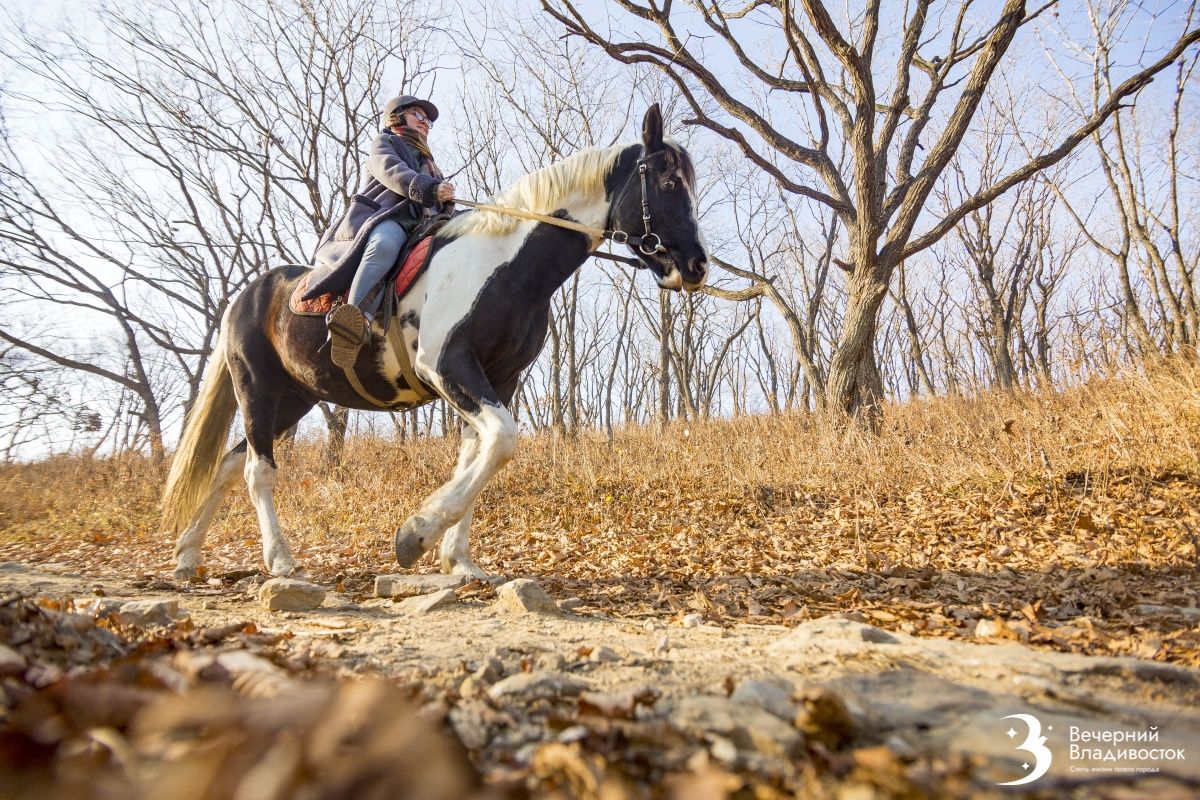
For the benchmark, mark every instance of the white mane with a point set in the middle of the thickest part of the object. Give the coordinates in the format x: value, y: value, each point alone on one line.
x: 541, y: 192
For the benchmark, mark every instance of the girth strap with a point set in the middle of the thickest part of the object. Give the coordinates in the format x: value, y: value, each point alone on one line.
x: 418, y: 394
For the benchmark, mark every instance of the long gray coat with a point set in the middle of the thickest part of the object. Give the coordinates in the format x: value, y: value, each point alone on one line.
x: 394, y: 188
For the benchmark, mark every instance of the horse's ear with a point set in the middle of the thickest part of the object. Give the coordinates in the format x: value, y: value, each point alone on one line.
x: 652, y: 129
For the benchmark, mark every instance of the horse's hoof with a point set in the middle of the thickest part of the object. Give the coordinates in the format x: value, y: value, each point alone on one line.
x: 408, y: 548
x: 186, y: 574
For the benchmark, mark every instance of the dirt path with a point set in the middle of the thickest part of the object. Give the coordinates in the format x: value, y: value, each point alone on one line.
x: 825, y: 707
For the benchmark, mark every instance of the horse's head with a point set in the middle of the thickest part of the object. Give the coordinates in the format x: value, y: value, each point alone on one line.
x: 662, y: 185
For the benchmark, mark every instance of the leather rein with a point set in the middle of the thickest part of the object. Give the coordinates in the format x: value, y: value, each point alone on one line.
x: 647, y: 244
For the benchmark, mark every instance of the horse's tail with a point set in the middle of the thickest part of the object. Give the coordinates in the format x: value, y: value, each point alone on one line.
x: 203, y: 443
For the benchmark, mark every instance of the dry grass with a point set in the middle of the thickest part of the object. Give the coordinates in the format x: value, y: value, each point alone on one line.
x: 1055, y: 514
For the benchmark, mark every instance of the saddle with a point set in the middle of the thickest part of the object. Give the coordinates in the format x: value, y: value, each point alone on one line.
x: 410, y: 264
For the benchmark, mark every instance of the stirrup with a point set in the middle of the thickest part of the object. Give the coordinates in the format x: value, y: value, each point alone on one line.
x: 347, y: 334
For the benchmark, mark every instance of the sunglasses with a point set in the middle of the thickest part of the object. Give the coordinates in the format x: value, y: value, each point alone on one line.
x: 420, y: 116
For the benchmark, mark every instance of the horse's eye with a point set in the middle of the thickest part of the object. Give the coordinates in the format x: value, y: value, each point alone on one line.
x: 669, y: 185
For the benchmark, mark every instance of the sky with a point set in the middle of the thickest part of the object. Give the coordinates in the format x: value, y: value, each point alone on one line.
x: 1148, y: 35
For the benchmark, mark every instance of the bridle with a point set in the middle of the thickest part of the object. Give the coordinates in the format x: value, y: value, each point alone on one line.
x: 647, y: 243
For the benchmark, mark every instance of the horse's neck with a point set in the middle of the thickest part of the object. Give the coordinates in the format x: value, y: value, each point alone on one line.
x: 589, y: 208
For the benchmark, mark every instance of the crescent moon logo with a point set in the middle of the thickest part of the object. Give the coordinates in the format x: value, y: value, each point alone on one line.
x: 1035, y: 745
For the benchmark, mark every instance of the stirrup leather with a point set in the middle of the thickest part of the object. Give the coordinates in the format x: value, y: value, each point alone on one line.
x: 342, y: 327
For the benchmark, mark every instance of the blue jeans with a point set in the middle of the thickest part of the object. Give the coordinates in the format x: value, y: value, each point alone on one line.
x: 379, y: 256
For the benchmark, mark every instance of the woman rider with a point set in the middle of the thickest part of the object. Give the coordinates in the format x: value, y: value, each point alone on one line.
x: 402, y: 185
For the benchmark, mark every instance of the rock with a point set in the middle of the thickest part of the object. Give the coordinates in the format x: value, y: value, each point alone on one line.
x: 570, y: 603
x: 11, y: 662
x: 537, y: 684
x: 250, y: 584
x: 472, y: 720
x: 145, y: 613
x: 652, y: 624
x: 994, y: 629
x: 692, y: 621
x: 430, y: 602
x: 748, y: 727
x: 339, y: 601
x: 289, y: 594
x: 487, y: 673
x: 99, y: 606
x: 664, y: 644
x: 575, y: 733
x: 774, y: 696
x: 524, y: 596
x: 604, y: 654
x: 551, y: 661
x: 414, y: 585
x: 831, y: 634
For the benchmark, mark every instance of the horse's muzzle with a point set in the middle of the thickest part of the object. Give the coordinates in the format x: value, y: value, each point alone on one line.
x: 696, y: 273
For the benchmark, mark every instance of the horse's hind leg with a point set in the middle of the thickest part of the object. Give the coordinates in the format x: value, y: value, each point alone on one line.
x: 187, y: 549
x: 266, y: 414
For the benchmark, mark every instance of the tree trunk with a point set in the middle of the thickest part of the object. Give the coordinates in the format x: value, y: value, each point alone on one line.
x: 337, y: 420
x: 854, y: 384
x: 664, y: 358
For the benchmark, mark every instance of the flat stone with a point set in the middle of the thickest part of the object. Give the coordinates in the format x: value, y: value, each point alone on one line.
x: 339, y: 601
x: 98, y: 606
x: 774, y: 696
x: 425, y: 603
x: 748, y: 727
x: 831, y: 634
x: 289, y: 594
x: 570, y: 603
x: 148, y: 612
x: 692, y: 621
x: 415, y: 585
x: 524, y: 596
x: 537, y: 684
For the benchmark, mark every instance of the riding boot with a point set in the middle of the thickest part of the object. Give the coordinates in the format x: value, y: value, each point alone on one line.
x: 347, y: 334
x: 349, y: 324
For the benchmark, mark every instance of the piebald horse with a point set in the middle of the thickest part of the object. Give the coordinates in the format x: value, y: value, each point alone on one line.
x: 474, y: 320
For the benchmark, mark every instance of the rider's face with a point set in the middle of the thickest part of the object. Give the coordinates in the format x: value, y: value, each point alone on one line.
x: 416, y: 118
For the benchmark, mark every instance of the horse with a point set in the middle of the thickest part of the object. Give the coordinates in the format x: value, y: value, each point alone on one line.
x: 474, y: 320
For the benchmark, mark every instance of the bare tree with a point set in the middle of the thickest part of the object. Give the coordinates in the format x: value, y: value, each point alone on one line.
x: 848, y: 96
x: 198, y: 146
x: 1148, y: 160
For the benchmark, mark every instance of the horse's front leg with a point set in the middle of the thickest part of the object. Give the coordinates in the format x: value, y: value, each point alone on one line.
x: 496, y: 433
x: 456, y: 546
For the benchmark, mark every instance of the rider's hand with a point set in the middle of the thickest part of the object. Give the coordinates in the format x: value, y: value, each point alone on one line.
x: 445, y: 193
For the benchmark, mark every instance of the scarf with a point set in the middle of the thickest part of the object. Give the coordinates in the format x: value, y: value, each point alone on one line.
x: 416, y: 141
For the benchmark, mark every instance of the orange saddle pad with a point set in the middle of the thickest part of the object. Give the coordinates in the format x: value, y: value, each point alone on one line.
x: 410, y: 270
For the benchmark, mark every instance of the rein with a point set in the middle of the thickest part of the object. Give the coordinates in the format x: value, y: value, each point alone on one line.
x: 647, y: 244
